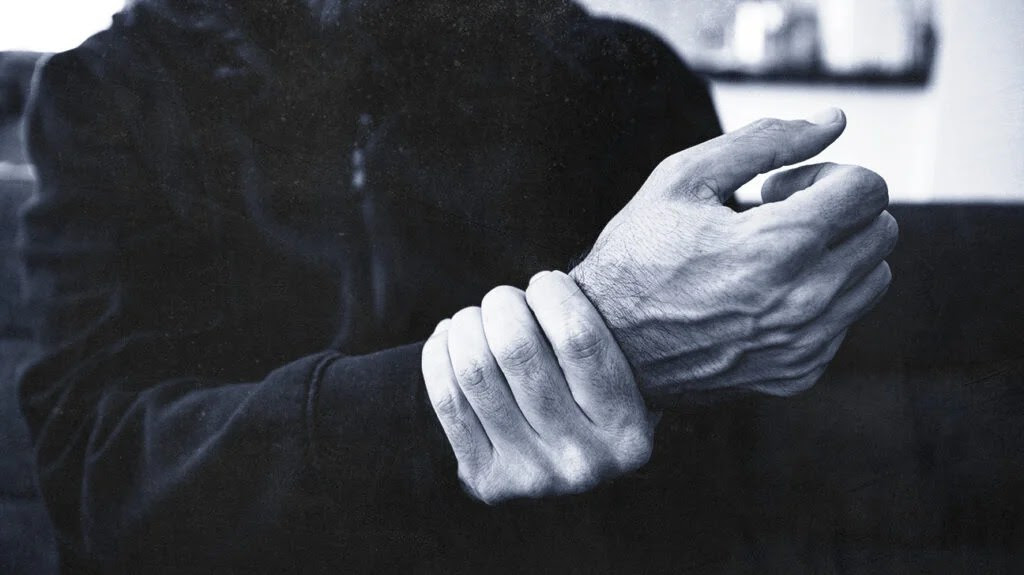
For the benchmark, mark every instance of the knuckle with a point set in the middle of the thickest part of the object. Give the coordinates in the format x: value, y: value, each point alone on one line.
x: 447, y: 407
x: 487, y: 492
x: 533, y: 482
x: 496, y: 302
x: 472, y: 374
x: 501, y: 292
x: 580, y: 341
x: 578, y: 469
x: 768, y: 126
x: 768, y: 132
x: 465, y: 316
x: 517, y: 351
x: 869, y: 182
x: 524, y: 480
x: 703, y: 188
x: 479, y: 484
x: 768, y: 239
x: 808, y: 302
x: 686, y: 174
x: 671, y: 166
x: 634, y: 449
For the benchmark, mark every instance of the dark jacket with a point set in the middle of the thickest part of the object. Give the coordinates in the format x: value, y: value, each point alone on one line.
x: 242, y: 231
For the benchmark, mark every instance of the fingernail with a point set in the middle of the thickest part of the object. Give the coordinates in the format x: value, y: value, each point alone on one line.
x: 826, y: 116
x: 538, y: 275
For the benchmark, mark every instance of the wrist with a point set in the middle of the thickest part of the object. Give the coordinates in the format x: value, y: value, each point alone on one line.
x: 608, y: 289
x: 618, y: 297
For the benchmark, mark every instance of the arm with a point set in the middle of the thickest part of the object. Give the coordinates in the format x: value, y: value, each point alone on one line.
x: 707, y: 302
x: 153, y: 455
x: 703, y: 302
x: 534, y: 395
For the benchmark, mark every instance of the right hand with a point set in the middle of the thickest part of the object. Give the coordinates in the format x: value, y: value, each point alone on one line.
x: 705, y: 301
x: 534, y: 394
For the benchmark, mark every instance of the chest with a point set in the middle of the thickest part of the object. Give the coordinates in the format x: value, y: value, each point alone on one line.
x: 390, y: 218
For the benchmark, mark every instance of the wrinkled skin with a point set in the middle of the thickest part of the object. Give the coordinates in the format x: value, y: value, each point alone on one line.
x: 535, y: 396
x: 706, y: 302
x: 681, y: 300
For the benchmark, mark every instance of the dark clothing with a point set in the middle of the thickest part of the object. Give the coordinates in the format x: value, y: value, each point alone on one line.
x: 231, y: 268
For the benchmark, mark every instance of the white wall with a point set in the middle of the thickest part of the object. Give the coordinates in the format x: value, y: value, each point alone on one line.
x: 959, y: 139
x: 52, y: 25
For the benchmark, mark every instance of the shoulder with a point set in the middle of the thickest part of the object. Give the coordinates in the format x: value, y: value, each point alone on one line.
x: 625, y: 60
x: 95, y: 84
x: 75, y: 102
x: 93, y: 119
x: 640, y: 76
x: 609, y: 46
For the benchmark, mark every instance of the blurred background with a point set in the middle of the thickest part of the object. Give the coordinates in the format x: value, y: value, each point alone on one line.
x: 934, y: 89
x: 906, y: 459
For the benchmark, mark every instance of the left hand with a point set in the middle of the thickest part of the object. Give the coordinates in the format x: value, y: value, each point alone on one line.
x: 534, y: 394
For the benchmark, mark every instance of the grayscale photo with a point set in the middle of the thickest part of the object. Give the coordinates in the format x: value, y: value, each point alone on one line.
x: 511, y: 286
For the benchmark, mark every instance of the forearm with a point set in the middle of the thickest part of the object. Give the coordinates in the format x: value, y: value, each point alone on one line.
x: 310, y: 455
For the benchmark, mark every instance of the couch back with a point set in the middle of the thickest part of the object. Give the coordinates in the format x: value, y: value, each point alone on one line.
x: 26, y: 540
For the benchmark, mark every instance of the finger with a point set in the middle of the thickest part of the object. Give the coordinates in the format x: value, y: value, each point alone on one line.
x: 781, y: 185
x: 528, y: 363
x: 595, y: 369
x: 841, y: 200
x: 466, y: 435
x: 848, y: 263
x: 853, y: 304
x: 712, y: 171
x: 482, y: 382
x: 832, y: 327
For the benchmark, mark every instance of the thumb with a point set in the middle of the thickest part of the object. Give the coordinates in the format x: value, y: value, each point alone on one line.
x: 712, y: 171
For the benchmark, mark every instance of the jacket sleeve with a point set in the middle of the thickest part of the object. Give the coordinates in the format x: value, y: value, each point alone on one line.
x: 151, y: 457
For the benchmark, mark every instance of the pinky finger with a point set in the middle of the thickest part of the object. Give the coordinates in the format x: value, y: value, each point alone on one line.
x: 466, y: 435
x: 859, y: 299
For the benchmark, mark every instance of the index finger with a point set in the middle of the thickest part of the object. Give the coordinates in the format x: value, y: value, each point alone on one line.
x: 712, y: 171
x: 838, y: 199
x: 598, y: 374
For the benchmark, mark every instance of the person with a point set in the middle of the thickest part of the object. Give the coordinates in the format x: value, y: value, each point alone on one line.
x: 252, y: 215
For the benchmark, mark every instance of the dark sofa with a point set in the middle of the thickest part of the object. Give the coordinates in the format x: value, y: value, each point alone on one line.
x: 25, y: 540
x: 906, y: 458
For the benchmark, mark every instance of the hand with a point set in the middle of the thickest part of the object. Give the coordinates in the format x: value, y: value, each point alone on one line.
x: 535, y: 407
x: 705, y: 301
